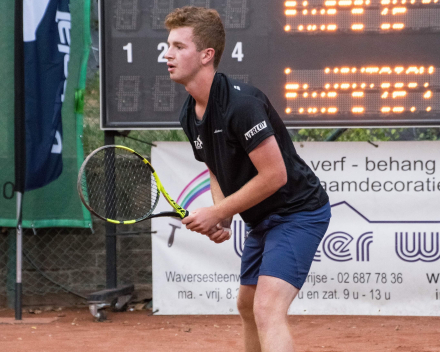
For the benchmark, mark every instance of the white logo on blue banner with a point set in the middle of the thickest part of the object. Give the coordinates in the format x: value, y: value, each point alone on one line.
x: 33, y: 13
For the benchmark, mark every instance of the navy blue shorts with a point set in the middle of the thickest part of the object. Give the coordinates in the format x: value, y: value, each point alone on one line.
x: 284, y: 246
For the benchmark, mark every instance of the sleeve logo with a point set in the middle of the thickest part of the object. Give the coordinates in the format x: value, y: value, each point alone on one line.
x: 254, y: 130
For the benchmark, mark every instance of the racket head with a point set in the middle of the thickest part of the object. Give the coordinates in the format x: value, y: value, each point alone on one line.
x: 118, y: 185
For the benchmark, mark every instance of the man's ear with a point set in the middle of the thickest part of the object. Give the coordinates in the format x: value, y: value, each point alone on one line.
x: 208, y: 56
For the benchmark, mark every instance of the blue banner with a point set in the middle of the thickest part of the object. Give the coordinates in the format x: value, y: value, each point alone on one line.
x: 46, y: 35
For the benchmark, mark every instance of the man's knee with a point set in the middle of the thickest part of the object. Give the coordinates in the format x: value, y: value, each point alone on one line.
x: 264, y: 314
x: 245, y: 309
x: 272, y: 300
x: 245, y: 302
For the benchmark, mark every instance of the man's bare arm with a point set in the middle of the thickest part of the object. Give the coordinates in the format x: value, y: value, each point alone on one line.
x: 223, y: 227
x: 216, y: 192
x: 272, y: 175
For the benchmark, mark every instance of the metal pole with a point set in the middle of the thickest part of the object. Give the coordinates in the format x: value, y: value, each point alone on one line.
x: 335, y: 134
x: 19, y: 254
x: 12, y: 268
x: 110, y: 238
x: 20, y: 140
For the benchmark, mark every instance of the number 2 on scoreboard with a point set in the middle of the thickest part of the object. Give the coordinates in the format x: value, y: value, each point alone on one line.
x: 164, y: 48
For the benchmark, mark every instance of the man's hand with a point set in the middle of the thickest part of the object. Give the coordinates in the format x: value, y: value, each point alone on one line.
x: 220, y: 234
x: 202, y: 220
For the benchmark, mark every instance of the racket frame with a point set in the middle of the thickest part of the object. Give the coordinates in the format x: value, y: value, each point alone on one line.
x: 178, y: 213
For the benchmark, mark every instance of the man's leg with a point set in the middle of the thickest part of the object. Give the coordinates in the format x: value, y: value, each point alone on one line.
x: 272, y: 299
x: 245, y: 304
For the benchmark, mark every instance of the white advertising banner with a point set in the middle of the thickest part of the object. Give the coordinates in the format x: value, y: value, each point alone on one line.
x: 380, y: 255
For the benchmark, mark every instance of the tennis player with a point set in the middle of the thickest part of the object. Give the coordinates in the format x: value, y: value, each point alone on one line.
x: 255, y: 172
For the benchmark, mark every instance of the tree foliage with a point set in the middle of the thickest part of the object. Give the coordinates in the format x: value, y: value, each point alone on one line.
x: 367, y: 134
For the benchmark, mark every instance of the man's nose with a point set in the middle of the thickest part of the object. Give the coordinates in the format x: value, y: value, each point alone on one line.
x: 168, y: 55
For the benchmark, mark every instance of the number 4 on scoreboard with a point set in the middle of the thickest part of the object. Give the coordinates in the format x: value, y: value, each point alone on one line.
x: 237, y: 53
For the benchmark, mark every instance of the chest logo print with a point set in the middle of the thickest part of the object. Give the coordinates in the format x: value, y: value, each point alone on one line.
x: 254, y: 130
x: 198, y: 143
x: 218, y: 131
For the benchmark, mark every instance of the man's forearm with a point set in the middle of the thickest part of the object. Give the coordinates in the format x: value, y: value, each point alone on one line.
x: 217, y: 197
x: 216, y: 192
x: 255, y: 191
x: 271, y: 176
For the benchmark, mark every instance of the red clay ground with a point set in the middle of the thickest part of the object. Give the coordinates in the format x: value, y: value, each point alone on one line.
x: 135, y: 331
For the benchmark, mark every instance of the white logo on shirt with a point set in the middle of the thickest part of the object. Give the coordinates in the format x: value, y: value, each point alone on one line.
x: 254, y: 130
x: 237, y: 87
x: 218, y: 131
x: 198, y: 143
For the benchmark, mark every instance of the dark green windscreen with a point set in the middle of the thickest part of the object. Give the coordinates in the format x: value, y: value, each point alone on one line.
x: 56, y: 204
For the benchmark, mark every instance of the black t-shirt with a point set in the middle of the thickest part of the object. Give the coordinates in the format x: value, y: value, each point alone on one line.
x: 237, y: 119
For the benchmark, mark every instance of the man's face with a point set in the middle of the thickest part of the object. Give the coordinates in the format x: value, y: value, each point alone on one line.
x: 184, y: 61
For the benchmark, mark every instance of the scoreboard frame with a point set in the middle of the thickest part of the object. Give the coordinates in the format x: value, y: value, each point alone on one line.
x: 297, y: 69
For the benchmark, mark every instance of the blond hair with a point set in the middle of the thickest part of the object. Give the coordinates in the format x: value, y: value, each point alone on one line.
x: 208, y: 30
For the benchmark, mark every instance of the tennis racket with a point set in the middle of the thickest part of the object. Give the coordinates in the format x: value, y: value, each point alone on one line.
x: 119, y: 185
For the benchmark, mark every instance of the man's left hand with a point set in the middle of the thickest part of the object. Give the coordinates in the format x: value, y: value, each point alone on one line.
x: 220, y: 234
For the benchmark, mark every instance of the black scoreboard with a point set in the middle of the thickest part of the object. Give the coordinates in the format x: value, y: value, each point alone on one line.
x: 322, y: 63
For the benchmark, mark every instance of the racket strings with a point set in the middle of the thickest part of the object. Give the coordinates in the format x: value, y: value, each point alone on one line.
x: 118, y: 185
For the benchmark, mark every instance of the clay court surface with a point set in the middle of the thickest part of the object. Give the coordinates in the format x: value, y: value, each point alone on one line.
x: 74, y: 330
